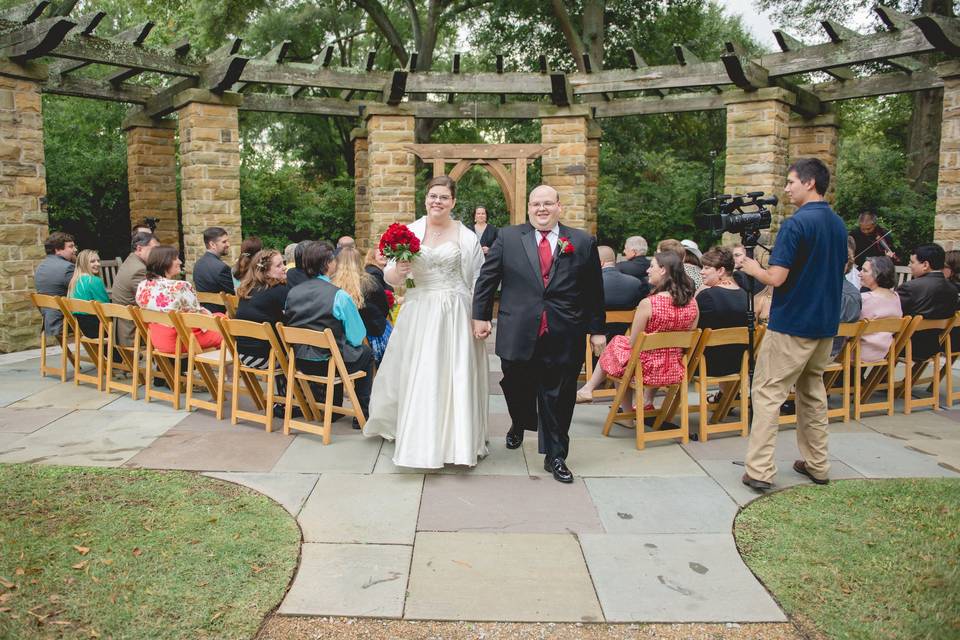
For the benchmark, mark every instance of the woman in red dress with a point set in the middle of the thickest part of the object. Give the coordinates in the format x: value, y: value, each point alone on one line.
x: 669, y: 307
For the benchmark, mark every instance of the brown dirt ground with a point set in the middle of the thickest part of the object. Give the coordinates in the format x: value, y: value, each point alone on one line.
x: 309, y: 628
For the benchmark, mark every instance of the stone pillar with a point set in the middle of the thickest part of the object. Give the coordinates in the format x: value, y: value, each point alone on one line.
x: 23, y: 191
x: 391, y: 177
x: 209, y: 169
x: 152, y: 174
x: 815, y: 138
x: 565, y: 165
x: 946, y: 227
x: 758, y: 145
x: 361, y: 202
x: 594, y: 132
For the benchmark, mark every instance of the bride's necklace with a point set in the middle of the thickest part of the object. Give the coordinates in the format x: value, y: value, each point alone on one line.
x: 436, y: 234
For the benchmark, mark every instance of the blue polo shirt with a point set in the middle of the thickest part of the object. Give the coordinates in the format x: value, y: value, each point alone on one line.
x: 812, y: 244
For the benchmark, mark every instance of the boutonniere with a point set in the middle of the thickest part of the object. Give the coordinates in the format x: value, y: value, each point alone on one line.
x: 565, y: 245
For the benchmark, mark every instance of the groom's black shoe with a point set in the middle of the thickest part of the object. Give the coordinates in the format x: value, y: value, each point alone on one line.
x: 558, y: 467
x: 514, y: 437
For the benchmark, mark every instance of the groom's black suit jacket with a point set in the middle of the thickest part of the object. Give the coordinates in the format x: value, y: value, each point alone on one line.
x: 572, y: 298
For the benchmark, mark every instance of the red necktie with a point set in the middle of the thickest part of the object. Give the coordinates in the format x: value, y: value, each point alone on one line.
x: 546, y: 261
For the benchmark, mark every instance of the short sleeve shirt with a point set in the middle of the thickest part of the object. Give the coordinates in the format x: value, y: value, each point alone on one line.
x: 812, y: 244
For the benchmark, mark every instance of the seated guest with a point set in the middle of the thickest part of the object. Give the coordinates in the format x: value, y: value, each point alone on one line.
x: 87, y: 285
x: 620, y: 291
x: 160, y: 292
x: 53, y: 276
x: 288, y: 255
x: 670, y: 307
x: 344, y: 242
x: 374, y: 264
x: 692, y: 271
x: 297, y: 275
x: 742, y: 279
x: 722, y: 305
x: 929, y: 295
x: 368, y: 295
x: 211, y: 274
x: 879, y: 276
x: 129, y: 276
x: 951, y: 268
x: 850, y: 301
x: 318, y: 304
x: 636, y: 262
x: 263, y: 297
x: 249, y: 248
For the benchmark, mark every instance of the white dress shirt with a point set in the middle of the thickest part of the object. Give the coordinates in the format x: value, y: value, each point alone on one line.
x: 553, y: 237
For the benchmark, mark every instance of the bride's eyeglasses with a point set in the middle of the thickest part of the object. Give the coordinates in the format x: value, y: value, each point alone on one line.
x: 433, y: 197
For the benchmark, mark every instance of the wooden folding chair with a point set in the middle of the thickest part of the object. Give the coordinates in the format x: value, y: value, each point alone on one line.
x: 92, y: 346
x: 337, y: 373
x: 108, y: 271
x: 869, y: 375
x: 206, y: 297
x: 913, y: 376
x: 632, y: 378
x: 839, y: 369
x: 168, y: 364
x: 612, y: 316
x: 129, y: 355
x: 230, y: 301
x: 44, y: 301
x: 210, y: 364
x: 250, y: 376
x: 952, y: 395
x: 732, y: 386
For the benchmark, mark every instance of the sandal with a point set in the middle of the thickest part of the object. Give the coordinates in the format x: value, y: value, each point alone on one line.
x: 582, y: 399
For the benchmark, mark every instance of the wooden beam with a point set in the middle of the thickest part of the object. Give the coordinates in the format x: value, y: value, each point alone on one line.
x: 313, y: 75
x: 684, y: 55
x: 124, y: 54
x: 26, y: 13
x: 79, y: 87
x: 162, y: 103
x: 395, y: 88
x: 480, y: 83
x: 231, y: 48
x: 312, y: 106
x: 36, y: 39
x: 456, y: 71
x: 702, y: 74
x: 86, y: 26
x: 943, y: 33
x: 428, y: 152
x: 674, y: 103
x: 180, y: 50
x: 63, y: 8
x: 743, y: 72
x: 274, y: 56
x: 221, y: 75
x: 892, y: 18
x: 561, y: 93
x: 878, y: 85
x: 837, y: 33
x: 503, y: 96
x: 789, y: 43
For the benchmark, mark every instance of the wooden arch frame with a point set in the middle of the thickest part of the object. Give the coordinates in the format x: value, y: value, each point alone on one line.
x: 507, y: 163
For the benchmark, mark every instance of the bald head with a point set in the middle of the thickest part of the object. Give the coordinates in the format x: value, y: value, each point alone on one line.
x: 543, y: 208
x: 607, y: 256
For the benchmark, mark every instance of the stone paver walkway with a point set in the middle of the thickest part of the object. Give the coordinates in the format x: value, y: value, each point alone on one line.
x: 640, y: 536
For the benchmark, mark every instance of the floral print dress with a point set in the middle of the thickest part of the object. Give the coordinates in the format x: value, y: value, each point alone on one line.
x: 164, y: 294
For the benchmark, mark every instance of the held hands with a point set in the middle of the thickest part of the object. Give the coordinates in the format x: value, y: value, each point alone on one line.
x: 481, y: 329
x: 598, y: 342
x: 751, y: 267
x: 403, y: 268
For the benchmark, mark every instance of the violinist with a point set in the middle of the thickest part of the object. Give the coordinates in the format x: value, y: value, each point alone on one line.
x: 871, y: 239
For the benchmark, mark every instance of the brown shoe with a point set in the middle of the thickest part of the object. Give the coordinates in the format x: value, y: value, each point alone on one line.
x: 756, y: 485
x: 800, y: 466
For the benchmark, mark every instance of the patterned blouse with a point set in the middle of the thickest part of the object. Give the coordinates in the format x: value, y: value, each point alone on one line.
x: 163, y: 294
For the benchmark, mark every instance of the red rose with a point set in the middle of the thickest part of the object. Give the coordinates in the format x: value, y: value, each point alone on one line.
x: 565, y: 245
x: 390, y: 299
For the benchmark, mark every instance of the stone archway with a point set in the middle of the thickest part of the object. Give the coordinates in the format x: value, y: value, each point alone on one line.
x: 507, y: 163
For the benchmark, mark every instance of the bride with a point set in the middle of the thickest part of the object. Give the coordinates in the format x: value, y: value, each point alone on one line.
x: 430, y: 393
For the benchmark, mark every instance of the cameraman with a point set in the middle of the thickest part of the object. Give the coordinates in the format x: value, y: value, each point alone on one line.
x: 806, y: 272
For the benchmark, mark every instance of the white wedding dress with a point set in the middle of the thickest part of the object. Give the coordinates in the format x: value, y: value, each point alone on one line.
x: 430, y: 393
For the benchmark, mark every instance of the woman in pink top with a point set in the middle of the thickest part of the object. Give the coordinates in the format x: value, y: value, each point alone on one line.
x: 879, y: 276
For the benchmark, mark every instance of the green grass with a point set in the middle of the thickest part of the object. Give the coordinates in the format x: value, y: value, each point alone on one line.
x: 137, y: 554
x: 861, y: 558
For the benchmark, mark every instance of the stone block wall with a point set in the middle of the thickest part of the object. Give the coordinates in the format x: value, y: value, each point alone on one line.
x: 23, y: 215
x: 565, y: 166
x: 152, y: 176
x: 209, y: 173
x: 361, y: 201
x: 593, y: 176
x: 391, y: 177
x: 758, y: 145
x: 815, y: 138
x: 946, y: 229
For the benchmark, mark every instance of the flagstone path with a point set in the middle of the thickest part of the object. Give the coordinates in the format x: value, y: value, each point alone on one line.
x: 640, y: 536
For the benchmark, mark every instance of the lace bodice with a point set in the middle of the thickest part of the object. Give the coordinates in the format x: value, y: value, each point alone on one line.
x: 438, y: 269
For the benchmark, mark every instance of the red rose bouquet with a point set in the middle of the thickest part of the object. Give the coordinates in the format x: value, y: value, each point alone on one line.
x: 399, y: 243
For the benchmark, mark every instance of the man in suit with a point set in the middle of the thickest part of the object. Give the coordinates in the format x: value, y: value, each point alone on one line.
x: 211, y: 274
x: 636, y: 263
x: 929, y: 295
x: 129, y: 276
x: 486, y: 233
x: 53, y: 276
x: 620, y: 291
x: 551, y: 297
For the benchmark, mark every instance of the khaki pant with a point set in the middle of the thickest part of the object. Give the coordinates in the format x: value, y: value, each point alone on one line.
x: 786, y: 361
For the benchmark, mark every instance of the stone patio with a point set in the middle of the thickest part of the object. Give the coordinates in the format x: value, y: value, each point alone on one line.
x: 640, y: 536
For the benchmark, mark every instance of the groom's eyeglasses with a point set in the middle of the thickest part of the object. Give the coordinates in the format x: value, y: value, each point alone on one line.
x: 546, y: 205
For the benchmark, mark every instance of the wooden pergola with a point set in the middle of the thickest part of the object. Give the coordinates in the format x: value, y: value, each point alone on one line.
x: 773, y: 114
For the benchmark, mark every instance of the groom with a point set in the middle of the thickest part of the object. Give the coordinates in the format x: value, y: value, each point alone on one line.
x: 551, y: 297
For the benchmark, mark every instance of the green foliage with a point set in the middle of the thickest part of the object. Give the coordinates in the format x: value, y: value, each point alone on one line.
x: 860, y: 559
x: 280, y: 206
x: 86, y: 164
x: 870, y: 175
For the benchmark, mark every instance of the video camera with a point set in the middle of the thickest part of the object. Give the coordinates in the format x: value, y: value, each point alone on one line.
x: 731, y: 216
